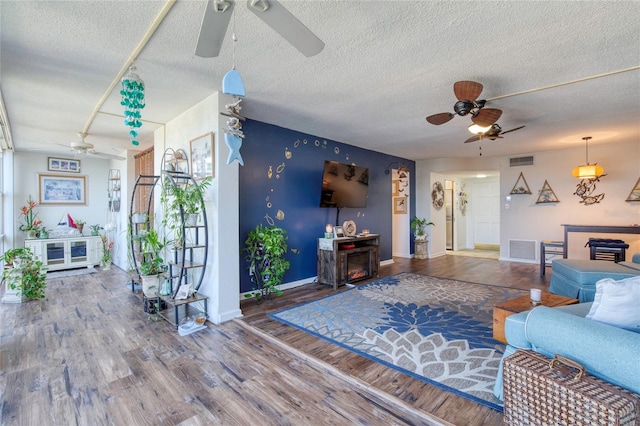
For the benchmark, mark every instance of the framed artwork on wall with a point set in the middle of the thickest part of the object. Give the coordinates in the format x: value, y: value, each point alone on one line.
x: 400, y: 205
x: 202, y: 156
x: 395, y: 187
x: 62, y: 189
x: 63, y: 165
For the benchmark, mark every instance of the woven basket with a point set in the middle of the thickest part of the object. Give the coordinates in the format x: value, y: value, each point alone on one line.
x: 541, y: 391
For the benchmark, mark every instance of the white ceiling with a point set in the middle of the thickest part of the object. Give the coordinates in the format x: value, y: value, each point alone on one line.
x: 386, y: 65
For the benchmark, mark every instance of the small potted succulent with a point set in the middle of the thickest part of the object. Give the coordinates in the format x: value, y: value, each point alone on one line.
x: 95, y: 230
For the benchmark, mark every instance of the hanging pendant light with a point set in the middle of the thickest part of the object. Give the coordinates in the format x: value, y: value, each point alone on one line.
x: 588, y: 171
x: 133, y: 100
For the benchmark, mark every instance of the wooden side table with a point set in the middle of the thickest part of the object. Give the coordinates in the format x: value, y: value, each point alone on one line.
x: 520, y: 304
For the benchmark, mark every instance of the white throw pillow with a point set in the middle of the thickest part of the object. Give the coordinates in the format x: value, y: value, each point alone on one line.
x: 617, y: 303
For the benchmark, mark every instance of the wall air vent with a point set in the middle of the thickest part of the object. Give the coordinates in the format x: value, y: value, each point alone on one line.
x: 522, y: 249
x: 521, y: 161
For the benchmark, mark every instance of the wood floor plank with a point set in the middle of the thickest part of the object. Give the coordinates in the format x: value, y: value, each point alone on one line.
x: 89, y: 355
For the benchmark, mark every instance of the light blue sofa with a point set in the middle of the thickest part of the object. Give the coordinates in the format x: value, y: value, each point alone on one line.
x: 605, y: 351
x: 576, y: 278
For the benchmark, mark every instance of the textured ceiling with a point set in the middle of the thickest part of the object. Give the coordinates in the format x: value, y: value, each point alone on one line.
x: 386, y: 65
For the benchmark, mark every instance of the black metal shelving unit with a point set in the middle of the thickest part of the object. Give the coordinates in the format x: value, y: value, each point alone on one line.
x: 188, y: 263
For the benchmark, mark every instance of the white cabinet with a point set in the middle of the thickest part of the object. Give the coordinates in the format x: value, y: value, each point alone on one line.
x: 67, y: 253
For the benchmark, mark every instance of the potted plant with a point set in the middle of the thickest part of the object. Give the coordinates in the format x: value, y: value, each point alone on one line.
x: 79, y: 225
x: 43, y: 234
x: 106, y: 260
x: 95, y: 230
x: 419, y: 225
x: 190, y: 197
x: 265, y: 249
x: 151, y: 264
x: 25, y: 275
x: 31, y: 227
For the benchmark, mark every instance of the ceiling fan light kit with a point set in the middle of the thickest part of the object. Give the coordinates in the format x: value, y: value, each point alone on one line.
x: 133, y: 100
x: 492, y: 132
x: 476, y: 129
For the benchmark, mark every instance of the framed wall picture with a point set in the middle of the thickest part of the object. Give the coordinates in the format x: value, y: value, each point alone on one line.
x: 400, y: 205
x: 395, y: 187
x: 62, y: 189
x: 63, y: 165
x: 202, y: 156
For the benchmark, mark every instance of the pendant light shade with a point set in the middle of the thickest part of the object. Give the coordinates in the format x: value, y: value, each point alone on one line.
x: 588, y: 171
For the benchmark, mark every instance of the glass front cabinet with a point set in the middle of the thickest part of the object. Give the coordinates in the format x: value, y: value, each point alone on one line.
x: 67, y: 253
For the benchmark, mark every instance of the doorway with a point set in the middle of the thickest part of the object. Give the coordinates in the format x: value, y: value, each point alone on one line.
x: 449, y: 187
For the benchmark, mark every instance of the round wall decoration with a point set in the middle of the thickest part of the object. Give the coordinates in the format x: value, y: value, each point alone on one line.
x: 437, y: 196
x: 349, y: 228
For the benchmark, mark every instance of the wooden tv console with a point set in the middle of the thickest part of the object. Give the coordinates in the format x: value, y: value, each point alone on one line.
x: 347, y: 260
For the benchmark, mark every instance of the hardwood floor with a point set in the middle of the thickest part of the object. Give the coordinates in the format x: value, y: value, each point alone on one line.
x: 89, y: 355
x: 419, y: 395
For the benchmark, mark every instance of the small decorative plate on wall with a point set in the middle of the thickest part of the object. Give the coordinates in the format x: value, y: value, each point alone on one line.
x: 349, y: 227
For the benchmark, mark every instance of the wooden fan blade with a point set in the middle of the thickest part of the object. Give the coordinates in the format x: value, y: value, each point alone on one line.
x: 486, y: 117
x: 512, y: 130
x: 467, y: 90
x: 441, y: 118
x: 472, y: 139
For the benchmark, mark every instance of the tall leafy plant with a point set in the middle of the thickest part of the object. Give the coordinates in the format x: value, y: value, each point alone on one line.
x: 189, y: 196
x: 26, y: 273
x: 265, y: 249
x: 151, y: 247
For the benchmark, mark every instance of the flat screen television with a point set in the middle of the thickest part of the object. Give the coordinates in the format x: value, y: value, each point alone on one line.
x: 344, y: 185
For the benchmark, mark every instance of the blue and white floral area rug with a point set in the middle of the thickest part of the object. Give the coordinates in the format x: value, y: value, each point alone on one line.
x: 434, y: 329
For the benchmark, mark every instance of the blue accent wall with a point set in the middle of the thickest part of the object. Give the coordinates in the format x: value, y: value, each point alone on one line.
x: 281, y: 182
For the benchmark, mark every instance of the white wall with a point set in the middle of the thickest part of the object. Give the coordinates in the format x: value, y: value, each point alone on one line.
x: 438, y: 238
x: 27, y: 165
x: 121, y: 218
x: 222, y: 281
x: 401, y: 244
x: 526, y: 220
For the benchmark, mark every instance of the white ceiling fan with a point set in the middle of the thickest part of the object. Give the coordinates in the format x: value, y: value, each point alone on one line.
x: 218, y: 14
x: 82, y: 148
x: 85, y: 148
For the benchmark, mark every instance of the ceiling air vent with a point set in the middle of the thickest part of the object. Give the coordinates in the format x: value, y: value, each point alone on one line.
x: 521, y: 161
